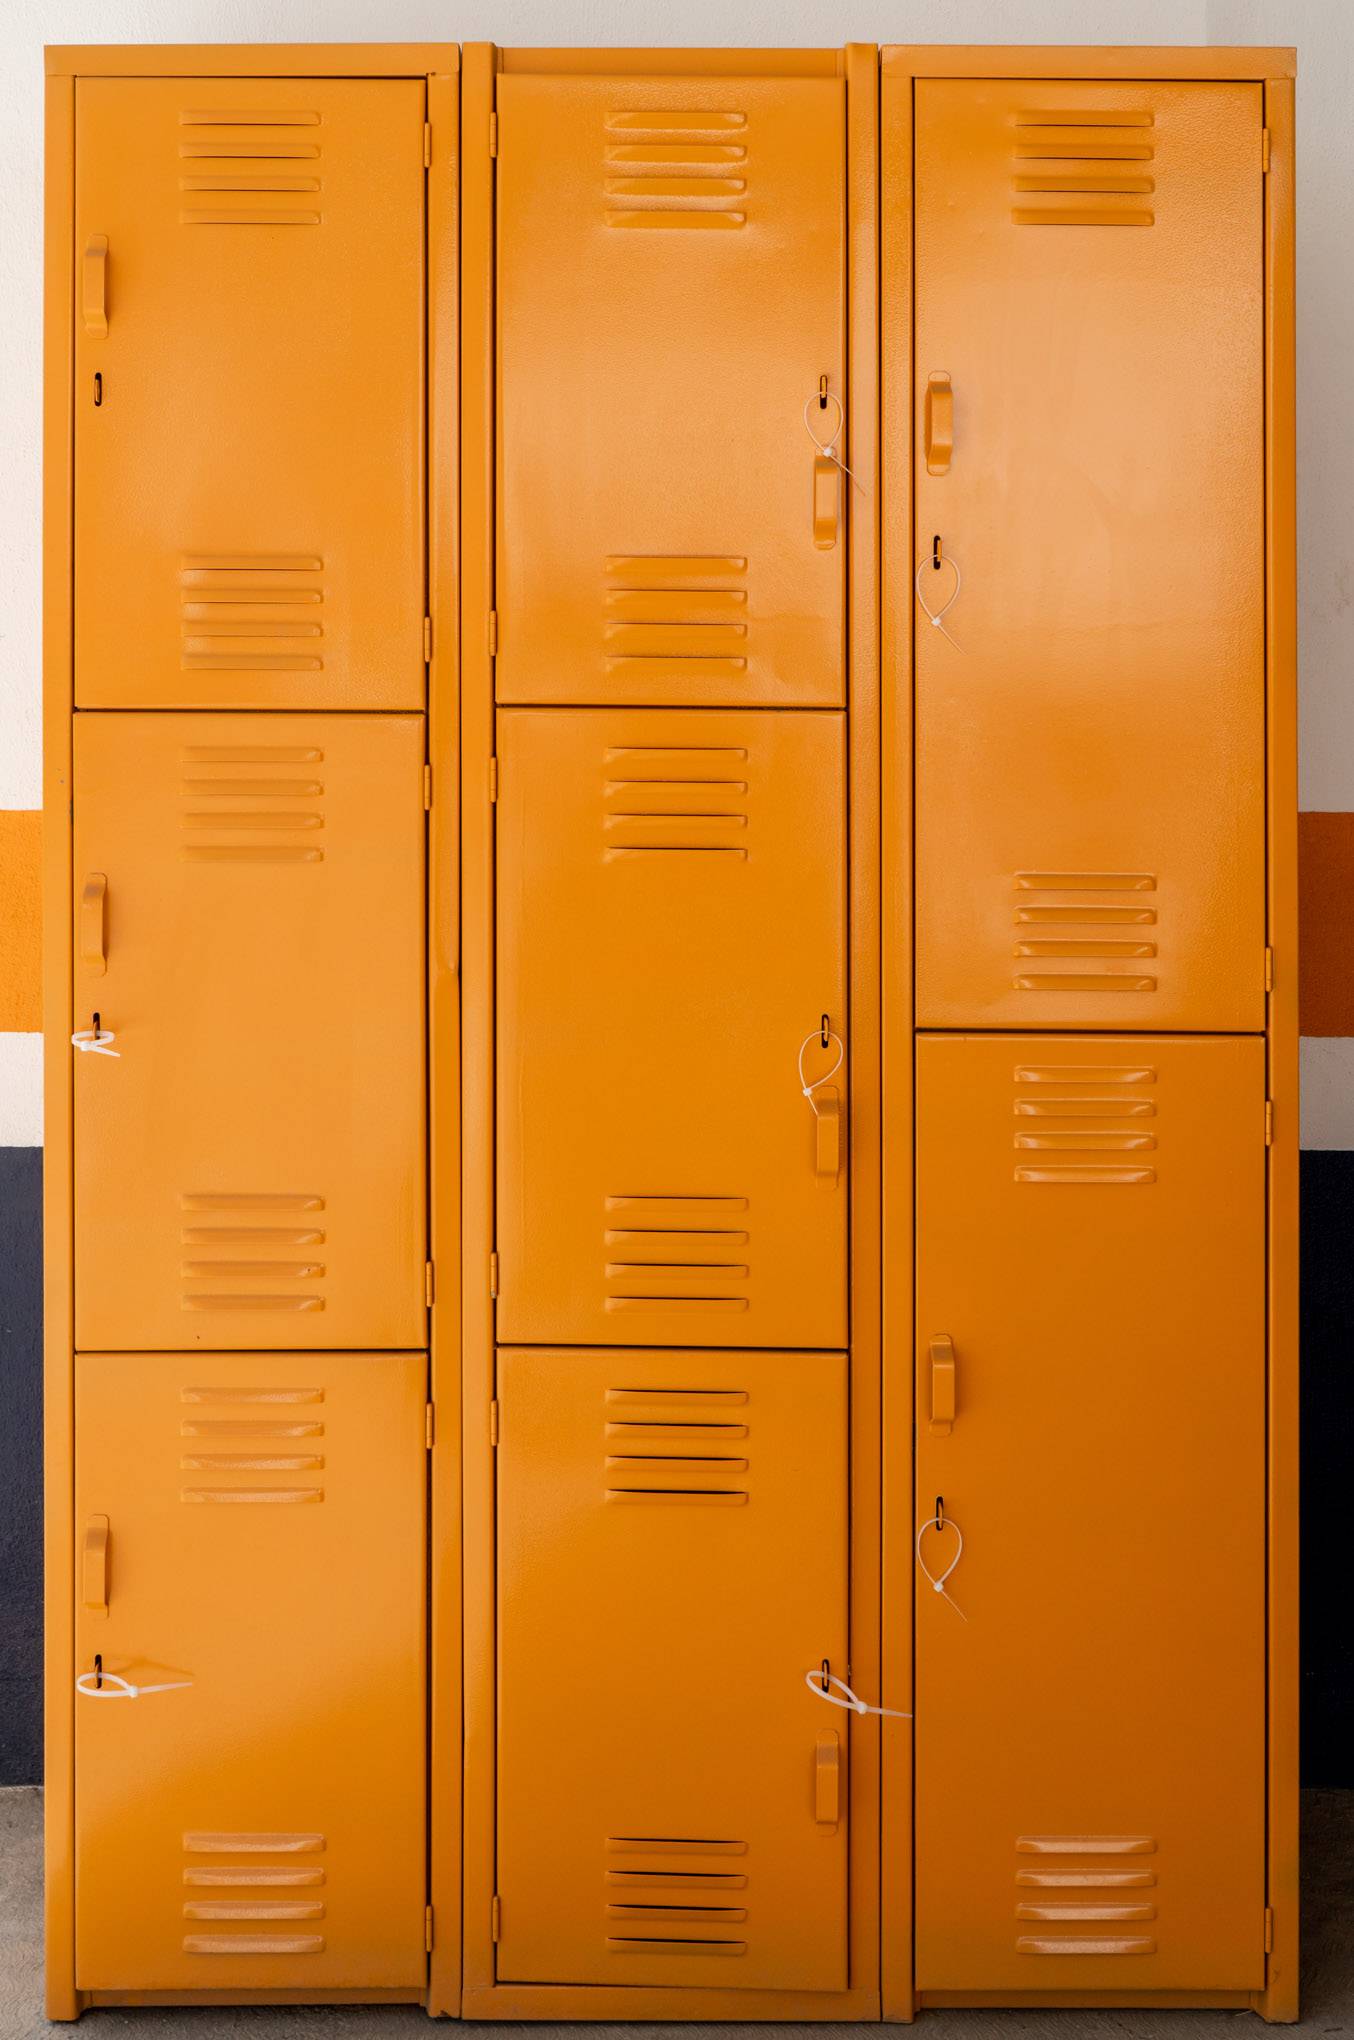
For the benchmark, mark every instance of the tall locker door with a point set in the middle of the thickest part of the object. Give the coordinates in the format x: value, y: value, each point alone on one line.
x: 1090, y: 1710
x: 250, y: 1551
x: 1090, y: 718
x: 672, y: 1563
x: 671, y: 266
x: 249, y: 393
x: 249, y: 929
x: 671, y: 901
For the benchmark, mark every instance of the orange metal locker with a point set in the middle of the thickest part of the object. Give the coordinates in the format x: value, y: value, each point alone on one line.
x: 672, y: 1562
x: 671, y: 303
x: 1090, y: 465
x: 671, y: 935
x: 249, y: 1153
x: 1091, y: 1429
x: 252, y: 1560
x: 249, y: 393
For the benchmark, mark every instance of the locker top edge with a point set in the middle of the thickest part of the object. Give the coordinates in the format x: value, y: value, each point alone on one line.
x: 1066, y: 60
x: 251, y: 60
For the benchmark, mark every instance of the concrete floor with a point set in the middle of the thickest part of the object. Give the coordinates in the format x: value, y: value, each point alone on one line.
x: 1328, y: 1971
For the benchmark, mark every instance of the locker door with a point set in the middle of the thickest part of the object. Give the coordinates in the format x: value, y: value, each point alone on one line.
x: 672, y: 1562
x: 1090, y: 1730
x: 671, y: 265
x: 1090, y: 734
x: 249, y: 393
x: 249, y: 925
x: 253, y: 1525
x: 671, y: 902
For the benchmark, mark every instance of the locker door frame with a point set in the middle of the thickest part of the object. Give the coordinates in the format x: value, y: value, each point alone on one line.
x: 482, y: 1998
x: 437, y: 67
x: 1273, y: 70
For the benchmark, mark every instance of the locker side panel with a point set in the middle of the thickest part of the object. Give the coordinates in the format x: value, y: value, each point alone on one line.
x: 249, y: 926
x: 672, y: 1562
x: 249, y: 393
x: 1091, y: 1422
x: 250, y: 1533
x: 671, y: 293
x: 671, y: 932
x: 1090, y: 717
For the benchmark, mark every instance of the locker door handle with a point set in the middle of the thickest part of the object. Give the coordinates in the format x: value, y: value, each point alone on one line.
x: 942, y: 1383
x: 826, y: 502
x: 827, y: 1778
x: 93, y: 923
x: 95, y: 1584
x: 827, y: 1130
x: 94, y: 286
x: 939, y: 426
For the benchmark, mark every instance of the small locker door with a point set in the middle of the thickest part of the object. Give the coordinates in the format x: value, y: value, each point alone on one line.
x: 1090, y: 722
x: 671, y: 901
x: 672, y: 1562
x: 671, y: 266
x: 1091, y: 1418
x: 249, y: 393
x: 249, y: 926
x: 250, y: 1535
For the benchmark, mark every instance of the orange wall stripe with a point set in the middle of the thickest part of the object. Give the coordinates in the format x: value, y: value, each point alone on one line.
x: 1325, y: 926
x: 20, y: 920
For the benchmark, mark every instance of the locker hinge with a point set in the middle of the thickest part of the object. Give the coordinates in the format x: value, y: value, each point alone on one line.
x: 493, y: 633
x: 493, y: 134
x: 428, y: 1425
x: 493, y: 779
x: 496, y: 1917
x: 427, y: 788
x: 1269, y: 1122
x: 427, y: 144
x: 1264, y: 149
x: 428, y: 1928
x: 428, y: 1283
x: 493, y: 1423
x: 493, y: 1274
x: 1269, y: 1930
x: 427, y: 640
x: 1269, y: 970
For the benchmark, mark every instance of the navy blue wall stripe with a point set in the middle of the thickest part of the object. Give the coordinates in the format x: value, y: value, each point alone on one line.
x: 1327, y: 1441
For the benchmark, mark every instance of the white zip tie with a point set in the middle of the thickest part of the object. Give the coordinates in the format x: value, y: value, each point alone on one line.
x: 828, y: 447
x: 935, y: 616
x: 90, y: 1041
x: 114, y: 1687
x: 819, y: 1682
x: 804, y: 1046
x: 938, y: 1579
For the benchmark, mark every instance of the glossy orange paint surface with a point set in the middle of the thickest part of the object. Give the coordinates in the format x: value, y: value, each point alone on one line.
x: 249, y: 393
x: 671, y: 271
x: 672, y: 1561
x: 1090, y: 1729
x: 249, y: 925
x: 1090, y: 765
x: 262, y: 1826
x: 671, y: 932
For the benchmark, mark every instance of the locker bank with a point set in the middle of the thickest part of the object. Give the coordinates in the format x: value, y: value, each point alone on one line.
x: 671, y: 1007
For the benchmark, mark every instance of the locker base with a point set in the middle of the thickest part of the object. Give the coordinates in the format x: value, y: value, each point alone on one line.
x: 598, y: 2001
x: 1074, y: 2000
x: 89, y: 1999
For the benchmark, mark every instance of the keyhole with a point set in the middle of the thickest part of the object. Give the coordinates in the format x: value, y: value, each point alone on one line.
x: 98, y: 388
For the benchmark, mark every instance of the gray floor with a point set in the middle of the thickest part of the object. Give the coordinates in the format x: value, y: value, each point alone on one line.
x: 1328, y: 1970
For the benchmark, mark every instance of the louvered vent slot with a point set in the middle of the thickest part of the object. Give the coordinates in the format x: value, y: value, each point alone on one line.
x: 683, y: 1254
x: 251, y: 167
x: 1085, y: 931
x: 675, y: 617
x: 1088, y: 1894
x: 251, y: 804
x: 681, y: 169
x: 1078, y: 169
x: 675, y: 801
x: 1079, y: 1124
x: 253, y: 1907
x: 251, y: 613
x: 254, y: 1250
x: 675, y: 1895
x: 676, y: 1445
x: 240, y: 1456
